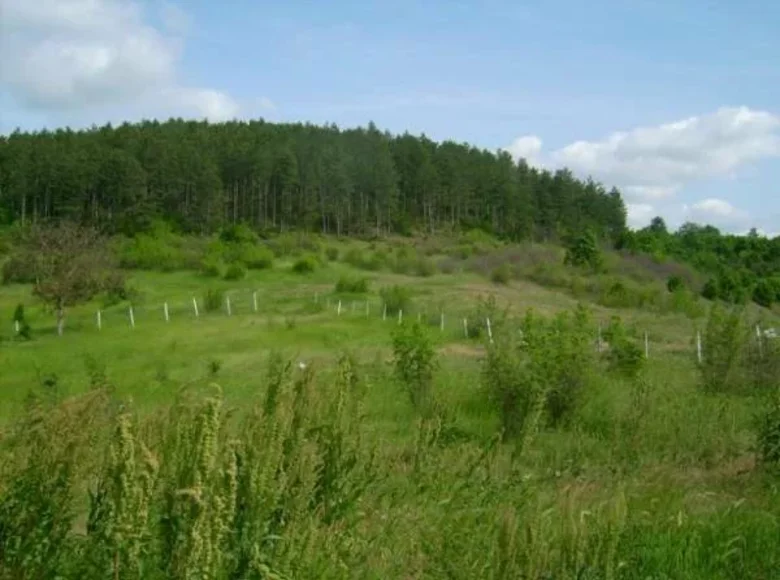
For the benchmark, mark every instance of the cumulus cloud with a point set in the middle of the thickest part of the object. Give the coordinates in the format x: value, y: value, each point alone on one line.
x: 718, y: 212
x: 652, y: 164
x: 61, y: 55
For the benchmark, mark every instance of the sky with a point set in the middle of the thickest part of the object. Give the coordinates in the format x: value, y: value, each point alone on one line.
x: 675, y: 103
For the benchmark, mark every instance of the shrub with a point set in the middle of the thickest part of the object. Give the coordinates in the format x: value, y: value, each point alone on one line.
x: 768, y: 432
x: 257, y: 257
x: 152, y: 252
x: 413, y: 357
x: 675, y: 283
x: 723, y: 340
x: 238, y: 234
x: 424, y: 267
x: 19, y: 318
x: 17, y: 270
x: 349, y: 285
x: 213, y: 300
x: 212, y: 267
x: 395, y: 299
x: 235, y: 271
x: 305, y: 265
x: 501, y: 274
x: 625, y: 357
x: 583, y: 251
x: 332, y: 254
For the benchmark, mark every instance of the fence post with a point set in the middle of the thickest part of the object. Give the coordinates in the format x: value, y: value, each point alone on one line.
x: 441, y: 323
x: 760, y: 343
x: 16, y: 326
x: 466, y: 327
x: 254, y: 301
x: 490, y: 330
x: 132, y: 317
x: 227, y: 305
x: 598, y: 340
x: 338, y: 310
x: 400, y: 316
x: 165, y: 310
x: 368, y: 311
x: 195, y: 306
x: 698, y: 346
x: 99, y: 320
x: 647, y: 346
x: 384, y: 313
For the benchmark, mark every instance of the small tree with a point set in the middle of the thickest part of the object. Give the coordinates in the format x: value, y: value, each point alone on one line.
x: 69, y: 263
x: 583, y: 251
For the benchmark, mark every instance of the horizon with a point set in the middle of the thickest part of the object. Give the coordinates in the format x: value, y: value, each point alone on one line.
x: 673, y: 106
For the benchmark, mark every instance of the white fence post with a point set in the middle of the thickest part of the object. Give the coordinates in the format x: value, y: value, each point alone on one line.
x: 384, y: 313
x: 16, y: 326
x: 338, y: 310
x: 165, y: 310
x: 490, y: 330
x: 441, y: 322
x: 195, y: 306
x: 419, y: 316
x: 132, y: 317
x: 99, y: 320
x: 760, y: 344
x: 647, y: 346
x: 698, y: 346
x: 400, y: 316
x: 254, y: 301
x: 227, y: 305
x: 466, y: 327
x: 598, y: 340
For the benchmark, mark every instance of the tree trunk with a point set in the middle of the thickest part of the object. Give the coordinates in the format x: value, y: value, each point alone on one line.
x: 60, y: 320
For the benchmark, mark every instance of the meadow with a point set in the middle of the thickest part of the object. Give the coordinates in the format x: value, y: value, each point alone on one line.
x: 303, y: 439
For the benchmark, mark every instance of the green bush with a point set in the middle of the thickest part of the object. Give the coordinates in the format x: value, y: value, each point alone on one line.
x: 675, y: 283
x: 212, y: 267
x: 348, y: 285
x: 768, y: 432
x: 238, y: 234
x: 424, y: 267
x: 235, y: 271
x: 332, y: 254
x: 305, y: 265
x: 395, y: 299
x: 625, y: 357
x: 256, y: 257
x: 502, y: 274
x: 213, y: 300
x: 414, y: 360
x: 149, y: 252
x: 17, y: 270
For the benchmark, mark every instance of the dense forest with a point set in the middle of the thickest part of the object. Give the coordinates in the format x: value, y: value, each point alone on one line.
x: 201, y: 177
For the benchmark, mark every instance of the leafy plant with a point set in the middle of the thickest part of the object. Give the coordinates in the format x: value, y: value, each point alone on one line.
x: 213, y: 300
x: 305, y: 265
x: 414, y: 360
x: 235, y: 271
x: 395, y: 298
x: 351, y: 285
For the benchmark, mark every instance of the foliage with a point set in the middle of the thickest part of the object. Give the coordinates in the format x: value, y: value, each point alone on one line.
x: 724, y: 339
x: 212, y: 267
x: 583, y: 251
x: 675, y: 283
x: 69, y: 263
x: 625, y: 357
x: 352, y: 285
x: 414, y: 360
x: 395, y: 298
x: 768, y: 431
x: 24, y: 332
x: 213, y: 300
x: 501, y: 275
x: 332, y: 253
x: 235, y: 271
x: 305, y: 265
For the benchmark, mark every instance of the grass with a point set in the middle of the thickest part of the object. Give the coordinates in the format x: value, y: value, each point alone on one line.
x: 652, y: 477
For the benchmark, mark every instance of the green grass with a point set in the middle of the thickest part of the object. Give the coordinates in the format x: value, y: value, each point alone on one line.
x: 652, y: 479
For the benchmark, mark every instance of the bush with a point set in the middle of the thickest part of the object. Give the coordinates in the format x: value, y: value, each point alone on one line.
x: 625, y: 357
x: 768, y: 432
x: 305, y: 265
x: 583, y: 251
x: 424, y: 267
x: 413, y: 357
x: 152, y: 252
x: 332, y: 254
x: 18, y: 270
x: 257, y: 258
x: 723, y: 341
x: 213, y: 300
x: 675, y: 283
x: 501, y: 274
x: 212, y: 267
x: 238, y: 234
x: 395, y: 299
x: 352, y: 285
x: 235, y: 271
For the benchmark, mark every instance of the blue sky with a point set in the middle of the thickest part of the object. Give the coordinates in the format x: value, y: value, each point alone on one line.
x: 676, y: 103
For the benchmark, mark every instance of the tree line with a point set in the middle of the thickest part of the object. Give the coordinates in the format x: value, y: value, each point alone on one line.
x: 201, y: 176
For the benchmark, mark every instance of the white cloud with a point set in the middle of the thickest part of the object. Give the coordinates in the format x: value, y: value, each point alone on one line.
x: 65, y: 55
x: 639, y: 214
x: 651, y: 163
x: 718, y: 212
x: 527, y: 147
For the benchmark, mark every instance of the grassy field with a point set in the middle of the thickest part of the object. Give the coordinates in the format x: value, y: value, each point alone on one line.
x: 651, y: 477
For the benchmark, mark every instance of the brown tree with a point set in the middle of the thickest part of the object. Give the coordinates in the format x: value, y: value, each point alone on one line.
x: 69, y: 264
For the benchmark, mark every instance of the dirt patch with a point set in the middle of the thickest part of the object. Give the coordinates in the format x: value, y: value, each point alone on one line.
x: 462, y: 350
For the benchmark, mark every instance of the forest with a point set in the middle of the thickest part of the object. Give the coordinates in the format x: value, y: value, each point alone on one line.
x: 200, y: 177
